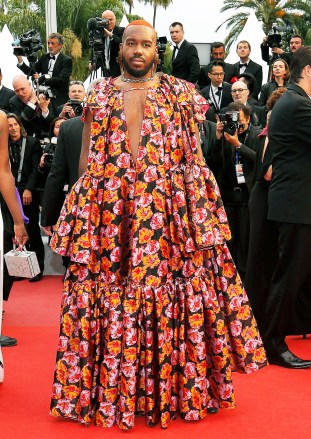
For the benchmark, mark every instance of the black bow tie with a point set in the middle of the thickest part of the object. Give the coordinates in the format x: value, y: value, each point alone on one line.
x: 15, y: 144
x: 218, y: 92
x: 243, y: 65
x: 52, y: 57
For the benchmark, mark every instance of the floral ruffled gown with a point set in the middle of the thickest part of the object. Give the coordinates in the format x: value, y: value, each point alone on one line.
x: 154, y: 316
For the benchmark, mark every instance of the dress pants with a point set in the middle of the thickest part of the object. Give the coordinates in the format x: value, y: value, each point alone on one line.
x: 291, y: 280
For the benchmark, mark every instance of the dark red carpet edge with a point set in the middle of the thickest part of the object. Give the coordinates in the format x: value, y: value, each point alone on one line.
x: 273, y: 403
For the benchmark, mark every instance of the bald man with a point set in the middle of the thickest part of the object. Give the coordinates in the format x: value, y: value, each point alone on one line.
x: 113, y: 37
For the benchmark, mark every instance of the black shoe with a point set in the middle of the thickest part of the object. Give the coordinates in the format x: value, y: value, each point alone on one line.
x: 212, y: 410
x: 38, y: 277
x: 289, y: 360
x: 17, y: 279
x: 6, y: 341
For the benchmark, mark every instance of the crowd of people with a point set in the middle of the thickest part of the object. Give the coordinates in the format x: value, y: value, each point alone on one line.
x: 187, y: 185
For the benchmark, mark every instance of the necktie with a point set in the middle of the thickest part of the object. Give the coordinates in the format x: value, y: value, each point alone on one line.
x: 243, y: 65
x: 174, y: 51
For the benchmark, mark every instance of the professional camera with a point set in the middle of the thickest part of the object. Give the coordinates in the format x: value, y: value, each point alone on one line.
x: 161, y: 45
x: 49, y: 147
x: 274, y: 36
x: 96, y: 27
x: 48, y: 92
x: 28, y: 44
x: 76, y: 106
x: 230, y: 120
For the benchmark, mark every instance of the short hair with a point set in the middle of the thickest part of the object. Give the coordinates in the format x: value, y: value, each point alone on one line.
x: 18, y: 120
x: 215, y: 63
x: 274, y: 97
x: 57, y: 36
x: 245, y: 42
x: 216, y: 45
x: 177, y: 23
x: 297, y: 36
x: 301, y: 59
x: 250, y: 80
x: 287, y: 71
x: 237, y: 106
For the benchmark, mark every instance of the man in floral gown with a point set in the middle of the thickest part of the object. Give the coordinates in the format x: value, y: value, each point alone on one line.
x: 154, y: 317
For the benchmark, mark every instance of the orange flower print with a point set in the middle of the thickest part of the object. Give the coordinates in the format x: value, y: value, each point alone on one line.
x: 71, y: 391
x: 61, y: 372
x: 145, y: 235
x: 244, y: 313
x: 114, y: 347
x: 85, y: 328
x: 87, y: 377
x: 153, y: 154
x: 67, y: 325
x: 229, y: 269
x: 139, y: 273
x: 196, y: 398
x: 196, y: 320
x: 165, y: 248
x: 165, y: 371
x: 107, y: 217
x: 158, y: 200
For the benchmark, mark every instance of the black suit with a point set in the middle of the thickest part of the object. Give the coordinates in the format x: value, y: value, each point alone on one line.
x: 186, y: 64
x: 204, y: 80
x: 60, y: 77
x: 33, y: 121
x: 289, y: 205
x: 256, y: 70
x: 65, y: 169
x: 28, y: 181
x: 5, y: 95
x: 215, y: 107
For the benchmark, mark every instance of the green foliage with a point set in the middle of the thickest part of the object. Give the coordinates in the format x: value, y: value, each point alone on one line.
x: 293, y: 13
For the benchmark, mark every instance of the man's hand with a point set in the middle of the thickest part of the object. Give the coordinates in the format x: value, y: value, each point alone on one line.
x: 36, y: 75
x: 48, y: 230
x: 43, y: 103
x: 19, y: 59
x: 67, y: 111
x: 27, y: 197
x: 233, y: 140
x: 108, y: 33
x: 32, y: 98
x: 277, y: 50
x: 219, y: 128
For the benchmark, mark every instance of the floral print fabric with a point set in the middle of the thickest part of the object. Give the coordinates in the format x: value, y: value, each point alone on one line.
x: 154, y: 317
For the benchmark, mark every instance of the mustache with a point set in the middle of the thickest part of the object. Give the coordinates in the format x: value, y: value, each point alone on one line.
x: 137, y: 58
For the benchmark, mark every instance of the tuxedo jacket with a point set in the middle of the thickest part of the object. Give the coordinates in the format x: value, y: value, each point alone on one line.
x: 256, y: 70
x: 65, y: 169
x: 31, y: 161
x: 186, y: 64
x: 33, y: 121
x: 204, y: 80
x: 60, y: 76
x: 226, y: 98
x: 290, y: 147
x: 5, y: 95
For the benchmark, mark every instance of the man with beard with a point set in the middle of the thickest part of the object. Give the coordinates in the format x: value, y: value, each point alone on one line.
x: 145, y: 230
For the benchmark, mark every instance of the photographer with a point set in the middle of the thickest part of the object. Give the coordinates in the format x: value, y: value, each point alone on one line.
x: 275, y: 44
x: 74, y: 106
x: 55, y: 69
x: 232, y: 161
x: 111, y: 39
x: 47, y: 157
x: 31, y: 108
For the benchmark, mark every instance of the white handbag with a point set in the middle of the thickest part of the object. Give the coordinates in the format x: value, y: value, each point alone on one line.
x: 22, y: 263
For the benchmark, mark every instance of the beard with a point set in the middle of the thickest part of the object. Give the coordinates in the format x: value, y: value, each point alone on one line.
x: 137, y: 73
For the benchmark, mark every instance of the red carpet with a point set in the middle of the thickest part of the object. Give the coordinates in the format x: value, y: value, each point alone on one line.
x: 273, y: 403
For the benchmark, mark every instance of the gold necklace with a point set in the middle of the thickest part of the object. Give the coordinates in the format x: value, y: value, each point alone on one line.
x: 137, y: 80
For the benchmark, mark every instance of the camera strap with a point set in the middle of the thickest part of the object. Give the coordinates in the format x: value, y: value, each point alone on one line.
x: 19, y: 172
x: 216, y: 100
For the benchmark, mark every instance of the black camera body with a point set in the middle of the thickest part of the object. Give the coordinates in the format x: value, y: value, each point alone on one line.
x: 96, y: 27
x: 230, y: 120
x: 48, y: 147
x: 275, y: 37
x: 48, y: 92
x: 28, y: 44
x: 76, y: 106
x: 161, y: 45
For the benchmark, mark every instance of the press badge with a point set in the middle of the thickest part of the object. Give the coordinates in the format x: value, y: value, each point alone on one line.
x: 239, y: 169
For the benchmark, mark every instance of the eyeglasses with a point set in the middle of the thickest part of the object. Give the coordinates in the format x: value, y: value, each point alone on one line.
x: 76, y: 83
x: 218, y: 74
x: 238, y: 90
